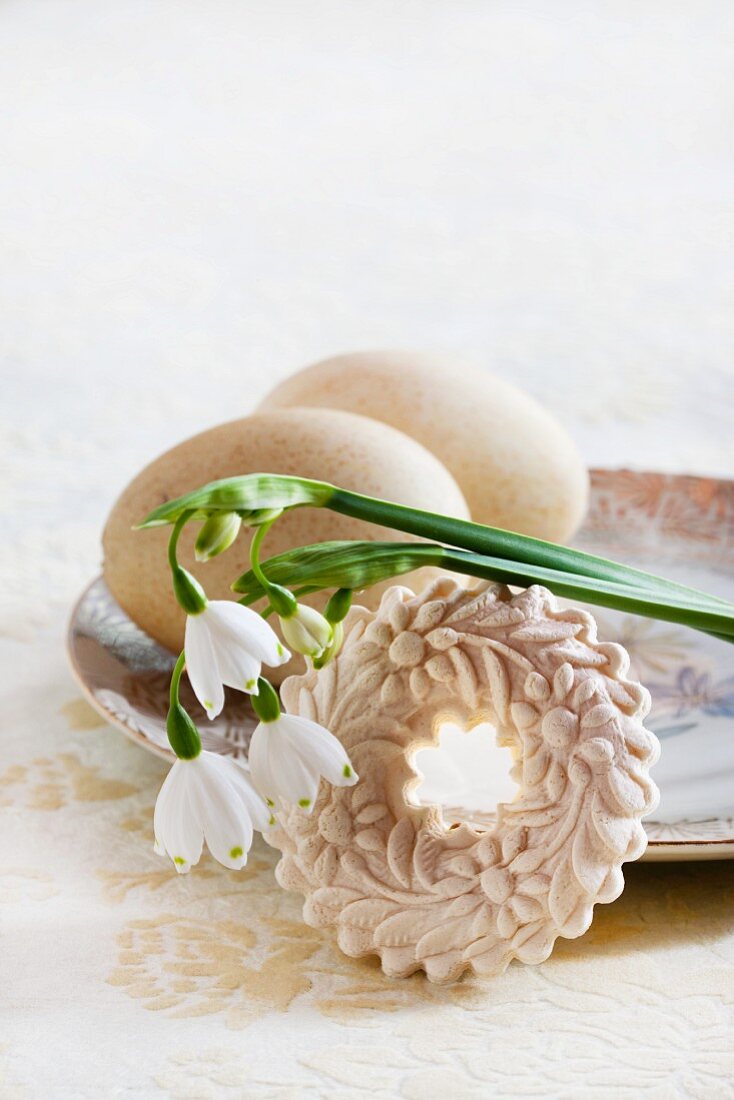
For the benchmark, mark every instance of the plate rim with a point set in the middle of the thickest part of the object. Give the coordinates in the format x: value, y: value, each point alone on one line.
x: 134, y: 735
x: 657, y: 849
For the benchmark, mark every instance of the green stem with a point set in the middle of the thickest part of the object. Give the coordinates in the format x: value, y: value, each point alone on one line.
x: 253, y: 597
x: 503, y: 544
x: 589, y: 590
x: 255, y: 545
x: 187, y: 590
x: 176, y: 675
x: 359, y: 565
x: 280, y: 599
x: 173, y: 541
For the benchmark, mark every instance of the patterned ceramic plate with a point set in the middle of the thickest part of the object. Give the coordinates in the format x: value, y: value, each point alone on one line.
x: 682, y: 527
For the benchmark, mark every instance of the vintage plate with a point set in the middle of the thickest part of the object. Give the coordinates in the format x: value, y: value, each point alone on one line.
x: 682, y: 527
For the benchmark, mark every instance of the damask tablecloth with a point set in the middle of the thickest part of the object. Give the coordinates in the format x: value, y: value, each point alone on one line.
x: 195, y: 200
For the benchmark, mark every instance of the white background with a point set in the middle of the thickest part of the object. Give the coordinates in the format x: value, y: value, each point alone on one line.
x: 197, y: 198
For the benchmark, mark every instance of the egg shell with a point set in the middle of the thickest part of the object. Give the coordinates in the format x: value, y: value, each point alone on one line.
x: 342, y: 448
x: 516, y: 465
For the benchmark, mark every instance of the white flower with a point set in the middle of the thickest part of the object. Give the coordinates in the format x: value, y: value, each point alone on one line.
x: 289, y: 755
x: 227, y: 643
x: 306, y: 631
x: 208, y: 798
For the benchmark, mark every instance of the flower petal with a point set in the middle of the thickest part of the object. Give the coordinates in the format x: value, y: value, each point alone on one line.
x: 319, y: 748
x: 253, y: 803
x: 176, y: 821
x: 227, y: 825
x: 259, y: 759
x: 201, y: 664
x: 242, y: 626
x: 237, y: 668
x: 296, y: 777
x: 162, y: 814
x: 298, y: 784
x: 307, y: 631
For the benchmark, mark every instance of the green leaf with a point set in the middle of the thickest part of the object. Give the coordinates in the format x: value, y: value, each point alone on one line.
x: 357, y: 565
x: 469, y: 548
x: 340, y: 564
x: 503, y: 544
x: 251, y: 492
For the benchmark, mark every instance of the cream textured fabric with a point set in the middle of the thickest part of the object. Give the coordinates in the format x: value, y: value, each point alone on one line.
x: 195, y: 200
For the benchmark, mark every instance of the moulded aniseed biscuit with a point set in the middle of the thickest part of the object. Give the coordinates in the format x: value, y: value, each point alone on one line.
x: 348, y: 450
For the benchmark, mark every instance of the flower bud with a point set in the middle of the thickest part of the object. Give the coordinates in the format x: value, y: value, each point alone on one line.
x: 188, y: 591
x: 183, y: 735
x: 283, y: 602
x: 258, y: 516
x: 266, y: 704
x: 338, y: 606
x: 307, y: 631
x: 217, y: 534
x: 332, y: 649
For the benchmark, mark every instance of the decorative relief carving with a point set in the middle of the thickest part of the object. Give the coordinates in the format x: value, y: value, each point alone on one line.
x: 388, y: 874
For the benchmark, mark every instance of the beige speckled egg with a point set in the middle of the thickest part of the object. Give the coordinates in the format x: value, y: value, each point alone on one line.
x: 515, y: 464
x: 342, y: 448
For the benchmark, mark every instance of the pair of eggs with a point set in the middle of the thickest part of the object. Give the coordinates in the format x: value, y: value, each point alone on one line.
x: 418, y: 430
